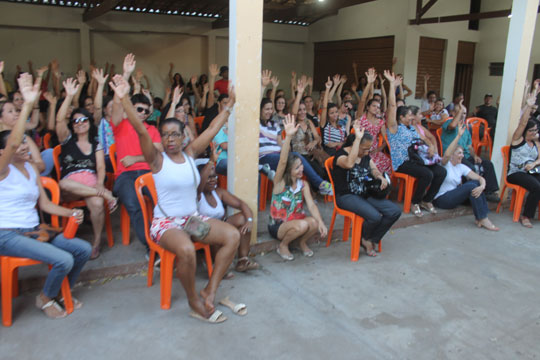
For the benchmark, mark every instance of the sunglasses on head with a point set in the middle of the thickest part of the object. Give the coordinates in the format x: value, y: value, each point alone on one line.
x: 140, y: 109
x: 80, y: 120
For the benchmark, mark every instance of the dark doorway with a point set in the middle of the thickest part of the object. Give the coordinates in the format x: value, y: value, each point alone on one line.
x: 464, y: 71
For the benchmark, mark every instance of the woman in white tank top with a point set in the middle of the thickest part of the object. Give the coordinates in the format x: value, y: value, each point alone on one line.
x: 20, y: 190
x: 176, y: 179
x: 212, y: 202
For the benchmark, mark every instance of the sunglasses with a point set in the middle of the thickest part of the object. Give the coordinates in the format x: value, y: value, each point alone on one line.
x: 141, y: 109
x: 80, y: 120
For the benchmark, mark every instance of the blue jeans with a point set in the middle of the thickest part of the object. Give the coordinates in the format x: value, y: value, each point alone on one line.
x: 273, y: 159
x: 124, y: 188
x: 379, y: 214
x: 67, y: 256
x: 451, y: 199
x: 47, y: 156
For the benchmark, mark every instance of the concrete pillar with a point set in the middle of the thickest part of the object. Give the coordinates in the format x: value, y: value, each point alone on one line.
x: 245, y: 53
x: 449, y: 70
x: 516, y: 63
x: 84, y: 33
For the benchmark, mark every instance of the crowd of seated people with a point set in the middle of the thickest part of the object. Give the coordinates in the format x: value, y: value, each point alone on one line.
x: 367, y: 129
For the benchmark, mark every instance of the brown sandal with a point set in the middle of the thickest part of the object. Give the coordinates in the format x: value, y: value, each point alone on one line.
x: 244, y: 264
x: 525, y: 222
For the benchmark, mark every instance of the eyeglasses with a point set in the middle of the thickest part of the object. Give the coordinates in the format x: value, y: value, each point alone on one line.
x: 140, y: 109
x: 80, y: 120
x: 212, y: 177
x: 174, y: 135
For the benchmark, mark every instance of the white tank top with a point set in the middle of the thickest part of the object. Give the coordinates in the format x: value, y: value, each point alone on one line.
x: 205, y: 208
x: 176, y: 192
x: 19, y: 198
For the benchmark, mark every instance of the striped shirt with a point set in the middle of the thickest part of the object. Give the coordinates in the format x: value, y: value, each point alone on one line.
x: 268, y: 139
x: 333, y: 134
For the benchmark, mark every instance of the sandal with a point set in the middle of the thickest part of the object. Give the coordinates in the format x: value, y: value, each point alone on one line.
x: 245, y: 264
x: 489, y: 227
x: 112, y: 205
x: 216, y: 317
x: 371, y: 252
x: 415, y: 208
x: 52, y: 309
x: 525, y: 222
x: 76, y: 303
x: 95, y: 254
x: 428, y: 207
x: 238, y: 309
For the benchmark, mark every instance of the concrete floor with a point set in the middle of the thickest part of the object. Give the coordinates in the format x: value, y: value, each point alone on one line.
x: 443, y: 290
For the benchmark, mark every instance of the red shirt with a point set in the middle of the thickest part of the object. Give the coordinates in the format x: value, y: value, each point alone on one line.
x: 127, y: 143
x: 222, y: 86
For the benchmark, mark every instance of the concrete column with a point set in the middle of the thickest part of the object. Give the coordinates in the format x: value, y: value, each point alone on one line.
x: 84, y: 33
x: 245, y: 53
x: 449, y: 70
x: 211, y: 49
x: 516, y: 63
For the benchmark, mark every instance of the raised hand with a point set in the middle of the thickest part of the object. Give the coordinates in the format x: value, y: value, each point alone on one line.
x: 343, y: 79
x: 309, y: 81
x: 205, y: 88
x: 214, y: 155
x: 119, y: 85
x: 265, y: 77
x: 213, y: 70
x: 398, y: 81
x: 193, y: 80
x: 394, y: 61
x: 49, y: 97
x: 71, y: 86
x: 275, y: 81
x: 81, y: 77
x: 371, y: 75
x: 354, y: 65
x: 288, y: 124
x: 40, y: 71
x: 328, y: 84
x: 381, y: 79
x: 389, y: 75
x: 358, y: 129
x: 177, y: 95
x: 29, y: 91
x: 336, y: 79
x: 129, y: 63
x: 300, y: 87
x: 354, y: 86
x: 98, y: 75
x: 427, y: 77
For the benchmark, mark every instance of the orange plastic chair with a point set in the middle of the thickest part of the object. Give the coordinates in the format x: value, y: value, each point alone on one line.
x: 198, y: 123
x: 265, y: 191
x: 350, y: 217
x: 405, y: 185
x: 486, y: 142
x: 167, y: 257
x: 439, y: 142
x: 518, y: 192
x: 222, y: 181
x: 81, y: 203
x: 47, y: 141
x: 10, y: 265
x: 124, y: 215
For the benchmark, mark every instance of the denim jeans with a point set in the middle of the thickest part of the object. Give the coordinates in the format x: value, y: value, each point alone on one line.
x: 67, y: 256
x: 124, y: 188
x: 426, y: 176
x: 47, y: 156
x: 273, y: 159
x: 379, y: 214
x: 532, y: 184
x: 451, y: 199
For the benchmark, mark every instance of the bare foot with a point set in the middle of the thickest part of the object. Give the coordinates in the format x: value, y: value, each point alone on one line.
x: 487, y: 224
x: 208, y: 298
x: 198, y: 306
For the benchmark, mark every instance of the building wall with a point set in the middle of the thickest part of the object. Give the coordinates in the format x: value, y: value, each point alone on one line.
x: 42, y: 33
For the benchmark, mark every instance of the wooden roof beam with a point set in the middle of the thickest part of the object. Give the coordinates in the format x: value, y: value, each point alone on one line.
x: 462, y: 17
x: 422, y: 9
x: 102, y: 9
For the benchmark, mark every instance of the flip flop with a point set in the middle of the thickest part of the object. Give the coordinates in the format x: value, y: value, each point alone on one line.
x: 217, y: 317
x: 525, y: 222
x: 289, y: 257
x: 239, y: 309
x: 371, y: 252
